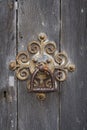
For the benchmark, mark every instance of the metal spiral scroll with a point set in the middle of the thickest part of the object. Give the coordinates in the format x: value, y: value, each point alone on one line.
x: 42, y: 52
x: 21, y: 65
x: 33, y: 47
x: 50, y: 47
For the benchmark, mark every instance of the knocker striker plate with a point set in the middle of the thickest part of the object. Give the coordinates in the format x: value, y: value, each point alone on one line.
x: 42, y: 65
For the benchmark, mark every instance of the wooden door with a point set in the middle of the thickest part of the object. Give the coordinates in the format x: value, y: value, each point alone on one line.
x: 65, y: 22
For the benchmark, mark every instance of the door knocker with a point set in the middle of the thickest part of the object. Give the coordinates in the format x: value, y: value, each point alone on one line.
x: 42, y: 65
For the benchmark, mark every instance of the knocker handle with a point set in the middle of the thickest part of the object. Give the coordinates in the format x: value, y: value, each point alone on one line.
x: 40, y: 88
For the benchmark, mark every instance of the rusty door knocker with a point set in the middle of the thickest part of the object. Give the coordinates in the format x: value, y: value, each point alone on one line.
x: 42, y: 65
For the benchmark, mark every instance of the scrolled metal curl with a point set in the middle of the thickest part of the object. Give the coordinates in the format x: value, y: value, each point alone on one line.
x: 22, y: 58
x: 33, y: 47
x: 50, y: 47
x: 49, y: 83
x: 61, y: 75
x: 22, y: 73
x: 61, y: 59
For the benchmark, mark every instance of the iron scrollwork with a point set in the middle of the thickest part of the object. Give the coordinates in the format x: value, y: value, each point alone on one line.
x: 42, y: 65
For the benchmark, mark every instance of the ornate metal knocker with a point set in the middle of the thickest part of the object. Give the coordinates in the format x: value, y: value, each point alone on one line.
x: 42, y: 65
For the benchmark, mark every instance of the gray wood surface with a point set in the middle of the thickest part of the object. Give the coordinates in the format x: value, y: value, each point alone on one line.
x: 7, y: 53
x: 36, y: 16
x: 74, y: 41
x: 20, y: 110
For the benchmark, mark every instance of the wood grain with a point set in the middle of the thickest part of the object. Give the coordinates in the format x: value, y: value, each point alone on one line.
x: 36, y: 17
x: 74, y: 42
x: 7, y: 52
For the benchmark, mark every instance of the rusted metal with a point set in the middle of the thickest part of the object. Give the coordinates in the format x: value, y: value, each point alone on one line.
x: 42, y: 88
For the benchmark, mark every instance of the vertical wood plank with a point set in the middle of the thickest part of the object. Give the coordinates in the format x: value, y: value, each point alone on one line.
x: 74, y: 42
x: 36, y: 17
x: 7, y: 53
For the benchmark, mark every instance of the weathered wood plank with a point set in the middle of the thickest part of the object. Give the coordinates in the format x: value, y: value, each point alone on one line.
x: 74, y: 41
x: 7, y: 53
x: 36, y: 17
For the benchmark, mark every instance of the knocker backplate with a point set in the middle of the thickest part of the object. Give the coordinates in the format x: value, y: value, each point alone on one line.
x: 42, y: 65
